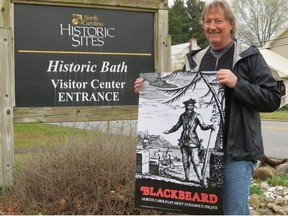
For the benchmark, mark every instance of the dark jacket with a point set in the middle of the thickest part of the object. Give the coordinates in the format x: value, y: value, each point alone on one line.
x: 256, y: 91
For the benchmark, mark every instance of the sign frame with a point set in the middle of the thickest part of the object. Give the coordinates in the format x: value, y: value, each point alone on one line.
x: 10, y: 114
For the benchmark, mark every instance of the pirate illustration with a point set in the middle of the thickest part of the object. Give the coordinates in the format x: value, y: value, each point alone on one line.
x: 189, y: 141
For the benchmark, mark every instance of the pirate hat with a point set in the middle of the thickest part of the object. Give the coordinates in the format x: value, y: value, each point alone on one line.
x: 190, y: 101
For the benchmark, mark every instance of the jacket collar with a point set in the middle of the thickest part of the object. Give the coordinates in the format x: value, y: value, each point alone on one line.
x: 242, y: 50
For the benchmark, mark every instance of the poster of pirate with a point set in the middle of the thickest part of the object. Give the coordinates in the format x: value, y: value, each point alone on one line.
x: 179, y: 161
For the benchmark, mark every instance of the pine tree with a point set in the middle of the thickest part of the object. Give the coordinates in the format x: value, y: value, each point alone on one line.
x: 185, y: 22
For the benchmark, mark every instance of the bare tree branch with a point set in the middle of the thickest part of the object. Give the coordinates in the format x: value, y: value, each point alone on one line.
x: 259, y: 20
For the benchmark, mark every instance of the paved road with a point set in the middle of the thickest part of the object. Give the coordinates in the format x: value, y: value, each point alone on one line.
x: 275, y: 137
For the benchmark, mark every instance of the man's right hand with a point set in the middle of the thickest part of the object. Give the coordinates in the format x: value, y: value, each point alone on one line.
x: 137, y: 85
x: 212, y: 127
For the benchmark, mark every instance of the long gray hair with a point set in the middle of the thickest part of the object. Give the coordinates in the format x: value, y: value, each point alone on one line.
x: 228, y: 11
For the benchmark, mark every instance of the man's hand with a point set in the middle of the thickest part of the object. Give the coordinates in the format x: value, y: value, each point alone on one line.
x: 137, y: 85
x: 227, y: 77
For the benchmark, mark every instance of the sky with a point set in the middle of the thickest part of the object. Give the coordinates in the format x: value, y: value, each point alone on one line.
x: 170, y: 2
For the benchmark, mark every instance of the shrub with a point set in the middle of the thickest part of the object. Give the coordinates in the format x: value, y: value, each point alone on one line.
x: 93, y: 174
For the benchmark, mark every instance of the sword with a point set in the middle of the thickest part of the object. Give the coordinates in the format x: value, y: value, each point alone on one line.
x: 206, y: 156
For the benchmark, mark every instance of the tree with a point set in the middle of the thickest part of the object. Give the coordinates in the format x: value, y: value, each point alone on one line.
x: 184, y: 22
x: 178, y: 23
x: 194, y: 11
x: 259, y: 20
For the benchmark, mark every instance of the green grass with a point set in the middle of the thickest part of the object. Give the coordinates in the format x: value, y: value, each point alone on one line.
x: 28, y: 136
x: 280, y: 114
x: 32, y: 138
x: 255, y: 188
x: 278, y: 181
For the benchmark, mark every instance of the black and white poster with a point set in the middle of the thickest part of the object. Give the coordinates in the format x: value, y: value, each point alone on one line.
x: 179, y: 164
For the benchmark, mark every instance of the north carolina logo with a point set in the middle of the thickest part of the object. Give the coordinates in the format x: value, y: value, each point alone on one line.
x: 77, y: 19
x: 88, y: 20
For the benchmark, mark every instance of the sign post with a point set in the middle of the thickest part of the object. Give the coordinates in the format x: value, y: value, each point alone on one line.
x: 6, y: 94
x: 6, y: 107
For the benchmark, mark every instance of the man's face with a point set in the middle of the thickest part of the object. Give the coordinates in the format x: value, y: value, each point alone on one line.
x: 217, y: 28
x: 190, y: 107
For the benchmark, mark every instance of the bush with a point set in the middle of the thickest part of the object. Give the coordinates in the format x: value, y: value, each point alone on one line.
x: 93, y: 174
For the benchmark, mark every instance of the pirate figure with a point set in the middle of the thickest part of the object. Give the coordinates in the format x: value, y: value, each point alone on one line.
x: 189, y: 141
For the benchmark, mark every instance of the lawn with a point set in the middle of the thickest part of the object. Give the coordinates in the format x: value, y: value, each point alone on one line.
x: 278, y: 115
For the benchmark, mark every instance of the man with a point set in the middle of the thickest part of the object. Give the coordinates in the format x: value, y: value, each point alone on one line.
x: 189, y: 141
x: 249, y: 89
